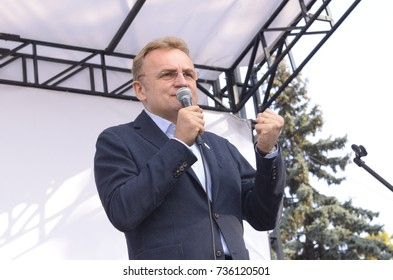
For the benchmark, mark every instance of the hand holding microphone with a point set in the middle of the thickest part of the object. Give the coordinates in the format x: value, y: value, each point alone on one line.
x: 190, y: 122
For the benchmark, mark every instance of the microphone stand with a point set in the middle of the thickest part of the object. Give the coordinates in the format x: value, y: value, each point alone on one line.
x: 360, y: 151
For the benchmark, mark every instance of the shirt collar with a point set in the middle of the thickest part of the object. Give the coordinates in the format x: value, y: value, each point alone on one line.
x: 162, y: 123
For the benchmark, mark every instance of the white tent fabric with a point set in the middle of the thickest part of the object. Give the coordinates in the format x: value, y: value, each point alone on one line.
x: 217, y: 31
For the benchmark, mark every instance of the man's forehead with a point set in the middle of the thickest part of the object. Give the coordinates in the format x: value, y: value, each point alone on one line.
x: 168, y: 57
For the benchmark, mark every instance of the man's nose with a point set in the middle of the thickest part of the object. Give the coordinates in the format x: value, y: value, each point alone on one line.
x: 180, y: 79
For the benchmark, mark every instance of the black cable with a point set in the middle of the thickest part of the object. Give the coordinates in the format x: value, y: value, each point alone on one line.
x: 199, y: 142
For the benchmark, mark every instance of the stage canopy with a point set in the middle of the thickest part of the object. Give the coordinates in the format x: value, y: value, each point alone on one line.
x: 236, y: 44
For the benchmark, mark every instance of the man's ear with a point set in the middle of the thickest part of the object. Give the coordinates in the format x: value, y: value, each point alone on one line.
x: 139, y: 90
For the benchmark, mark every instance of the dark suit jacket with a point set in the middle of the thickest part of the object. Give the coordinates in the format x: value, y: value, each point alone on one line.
x: 150, y: 192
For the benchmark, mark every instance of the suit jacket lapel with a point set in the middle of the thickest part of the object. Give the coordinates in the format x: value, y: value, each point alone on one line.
x: 147, y: 128
x: 212, y: 163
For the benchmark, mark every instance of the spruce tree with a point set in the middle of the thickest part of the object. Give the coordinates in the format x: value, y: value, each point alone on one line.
x: 316, y: 226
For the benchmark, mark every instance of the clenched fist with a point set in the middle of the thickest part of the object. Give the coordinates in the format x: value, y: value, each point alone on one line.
x: 268, y: 127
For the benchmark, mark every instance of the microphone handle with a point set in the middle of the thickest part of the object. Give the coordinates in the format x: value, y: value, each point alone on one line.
x: 186, y: 102
x: 198, y: 140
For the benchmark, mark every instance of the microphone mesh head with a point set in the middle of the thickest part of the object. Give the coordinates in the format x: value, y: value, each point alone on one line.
x: 182, y: 93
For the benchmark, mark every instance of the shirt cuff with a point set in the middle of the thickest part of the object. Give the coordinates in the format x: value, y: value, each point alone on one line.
x: 272, y: 154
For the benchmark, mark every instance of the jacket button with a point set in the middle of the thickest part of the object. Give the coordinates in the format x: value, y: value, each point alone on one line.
x: 176, y: 173
x: 216, y: 216
x: 218, y: 253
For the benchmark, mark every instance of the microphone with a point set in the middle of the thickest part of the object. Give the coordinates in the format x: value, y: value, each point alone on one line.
x: 184, y: 95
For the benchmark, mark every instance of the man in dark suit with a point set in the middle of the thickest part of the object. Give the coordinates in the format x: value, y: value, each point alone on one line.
x: 174, y: 198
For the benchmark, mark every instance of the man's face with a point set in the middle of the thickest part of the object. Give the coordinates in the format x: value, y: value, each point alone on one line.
x: 159, y: 82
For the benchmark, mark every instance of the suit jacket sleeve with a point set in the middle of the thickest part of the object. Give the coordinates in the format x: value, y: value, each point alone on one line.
x: 262, y: 190
x: 133, y: 181
x: 266, y: 197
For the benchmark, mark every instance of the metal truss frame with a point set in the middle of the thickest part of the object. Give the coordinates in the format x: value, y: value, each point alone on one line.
x: 229, y: 93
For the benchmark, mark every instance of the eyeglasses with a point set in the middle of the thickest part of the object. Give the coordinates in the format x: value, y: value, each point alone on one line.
x: 169, y: 75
